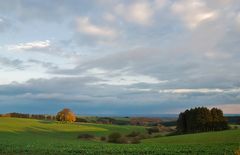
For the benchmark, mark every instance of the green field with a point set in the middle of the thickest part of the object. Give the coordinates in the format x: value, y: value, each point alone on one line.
x: 28, y: 136
x: 230, y: 136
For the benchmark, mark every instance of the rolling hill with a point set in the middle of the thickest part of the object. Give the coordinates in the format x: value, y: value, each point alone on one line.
x: 29, y: 136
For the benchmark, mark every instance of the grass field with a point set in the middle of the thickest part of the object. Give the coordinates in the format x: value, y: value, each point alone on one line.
x: 230, y: 136
x: 28, y: 136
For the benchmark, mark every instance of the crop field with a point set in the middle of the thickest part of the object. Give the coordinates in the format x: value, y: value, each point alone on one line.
x: 29, y: 136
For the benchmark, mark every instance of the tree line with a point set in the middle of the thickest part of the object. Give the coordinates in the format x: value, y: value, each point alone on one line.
x: 33, y: 116
x: 201, y: 119
x: 66, y: 115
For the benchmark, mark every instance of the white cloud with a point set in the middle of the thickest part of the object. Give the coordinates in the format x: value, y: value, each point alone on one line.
x: 96, y: 71
x: 139, y: 90
x: 120, y: 77
x: 30, y: 45
x: 20, y: 76
x: 41, y: 95
x: 200, y: 90
x: 129, y: 80
x: 217, y: 55
x: 193, y: 12
x: 85, y: 26
x: 139, y: 12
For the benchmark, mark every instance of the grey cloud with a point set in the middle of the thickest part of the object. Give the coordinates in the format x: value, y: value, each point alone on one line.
x: 17, y: 64
x: 204, y: 57
x: 48, y: 65
x: 5, y: 24
x: 184, y: 69
x: 199, y: 58
x: 12, y: 63
x: 50, y: 11
x: 75, y: 93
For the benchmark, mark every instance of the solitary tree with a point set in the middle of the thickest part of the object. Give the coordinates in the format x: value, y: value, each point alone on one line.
x: 66, y: 115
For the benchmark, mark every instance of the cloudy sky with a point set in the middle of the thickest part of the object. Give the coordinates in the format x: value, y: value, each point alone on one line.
x: 119, y: 57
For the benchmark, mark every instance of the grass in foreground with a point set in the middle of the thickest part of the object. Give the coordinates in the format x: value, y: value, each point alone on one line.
x: 26, y: 136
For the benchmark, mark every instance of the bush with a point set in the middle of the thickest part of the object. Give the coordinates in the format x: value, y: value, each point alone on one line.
x: 153, y: 130
x: 85, y: 136
x: 103, y: 138
x: 235, y: 127
x: 135, y: 140
x: 114, y: 137
x: 79, y: 119
x: 122, y: 140
x: 144, y: 136
x: 121, y: 122
x: 133, y: 134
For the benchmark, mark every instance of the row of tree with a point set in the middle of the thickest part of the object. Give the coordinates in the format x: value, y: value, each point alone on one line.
x: 201, y: 119
x: 33, y: 116
x: 65, y: 115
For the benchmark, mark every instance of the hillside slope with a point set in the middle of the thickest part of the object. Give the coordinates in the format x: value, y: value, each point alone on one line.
x: 28, y: 136
x: 228, y: 136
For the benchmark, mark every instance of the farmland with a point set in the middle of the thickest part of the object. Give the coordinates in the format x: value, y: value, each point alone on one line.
x: 29, y: 136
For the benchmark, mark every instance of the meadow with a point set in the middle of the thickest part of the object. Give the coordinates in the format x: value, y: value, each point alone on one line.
x: 30, y: 136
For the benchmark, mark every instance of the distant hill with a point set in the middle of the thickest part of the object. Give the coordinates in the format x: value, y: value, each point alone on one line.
x: 233, y: 119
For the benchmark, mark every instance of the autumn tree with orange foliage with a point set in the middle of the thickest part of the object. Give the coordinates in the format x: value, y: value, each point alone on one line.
x: 66, y: 115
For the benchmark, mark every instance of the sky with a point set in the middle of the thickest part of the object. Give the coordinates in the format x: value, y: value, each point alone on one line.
x: 119, y: 57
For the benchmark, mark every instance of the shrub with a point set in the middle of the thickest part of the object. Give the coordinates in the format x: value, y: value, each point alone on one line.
x: 114, y: 137
x: 143, y: 136
x: 104, y: 120
x: 121, y: 122
x: 85, y: 136
x: 103, y: 138
x: 134, y: 137
x: 79, y: 119
x: 122, y: 140
x: 133, y: 134
x: 235, y: 127
x: 135, y: 140
x: 153, y: 130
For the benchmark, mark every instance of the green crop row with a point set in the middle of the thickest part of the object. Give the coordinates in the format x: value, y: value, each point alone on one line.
x: 113, y: 149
